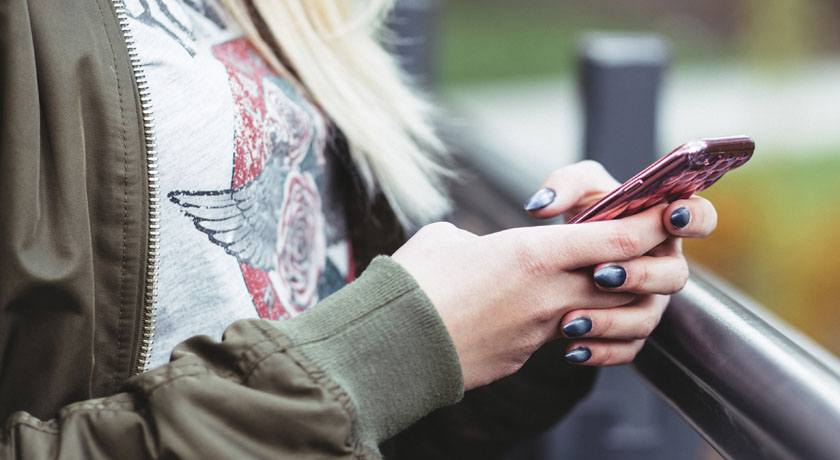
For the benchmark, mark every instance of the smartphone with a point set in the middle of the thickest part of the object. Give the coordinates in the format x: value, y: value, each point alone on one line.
x: 689, y: 169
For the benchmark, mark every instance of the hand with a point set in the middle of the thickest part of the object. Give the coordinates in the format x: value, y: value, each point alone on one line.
x: 615, y: 336
x: 501, y: 296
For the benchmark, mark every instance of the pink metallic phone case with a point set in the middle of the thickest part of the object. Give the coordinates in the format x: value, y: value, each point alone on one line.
x: 689, y: 169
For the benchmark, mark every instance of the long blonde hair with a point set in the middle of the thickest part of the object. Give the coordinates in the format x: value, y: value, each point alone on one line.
x: 332, y: 49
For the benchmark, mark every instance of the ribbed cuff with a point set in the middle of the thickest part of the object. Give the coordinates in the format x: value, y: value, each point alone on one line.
x: 382, y: 340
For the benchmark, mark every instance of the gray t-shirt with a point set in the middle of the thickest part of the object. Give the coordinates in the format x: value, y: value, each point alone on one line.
x: 251, y: 223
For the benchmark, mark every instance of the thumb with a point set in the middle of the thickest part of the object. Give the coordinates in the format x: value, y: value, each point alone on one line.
x: 571, y: 189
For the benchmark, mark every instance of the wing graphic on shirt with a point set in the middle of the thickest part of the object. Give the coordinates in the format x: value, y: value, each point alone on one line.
x: 242, y: 220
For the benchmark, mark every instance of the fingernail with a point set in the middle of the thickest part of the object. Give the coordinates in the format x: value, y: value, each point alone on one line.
x: 680, y: 218
x: 612, y: 276
x: 578, y: 327
x: 578, y: 355
x: 541, y: 199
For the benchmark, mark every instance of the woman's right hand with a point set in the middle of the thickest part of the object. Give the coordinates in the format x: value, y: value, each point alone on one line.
x: 503, y: 295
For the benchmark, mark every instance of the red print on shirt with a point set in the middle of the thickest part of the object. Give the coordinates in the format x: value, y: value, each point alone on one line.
x: 271, y: 218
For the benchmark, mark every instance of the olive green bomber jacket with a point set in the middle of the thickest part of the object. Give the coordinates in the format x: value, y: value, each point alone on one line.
x: 74, y: 254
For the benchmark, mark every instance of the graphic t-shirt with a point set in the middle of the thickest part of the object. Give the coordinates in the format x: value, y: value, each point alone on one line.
x: 251, y: 223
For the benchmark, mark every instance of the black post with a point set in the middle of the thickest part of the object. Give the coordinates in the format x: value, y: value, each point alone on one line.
x: 414, y: 23
x: 620, y: 78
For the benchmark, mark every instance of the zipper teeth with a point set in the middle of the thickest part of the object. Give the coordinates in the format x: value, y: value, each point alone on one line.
x: 147, y: 331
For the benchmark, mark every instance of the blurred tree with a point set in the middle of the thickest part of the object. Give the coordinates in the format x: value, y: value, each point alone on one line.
x: 782, y: 30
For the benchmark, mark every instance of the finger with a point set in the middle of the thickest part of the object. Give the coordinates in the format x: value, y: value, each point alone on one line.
x: 571, y: 188
x: 630, y: 322
x: 603, y: 352
x: 593, y: 243
x: 672, y: 246
x: 692, y: 218
x: 577, y: 289
x: 643, y: 275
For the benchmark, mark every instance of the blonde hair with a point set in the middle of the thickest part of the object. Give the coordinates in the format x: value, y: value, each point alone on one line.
x: 332, y: 49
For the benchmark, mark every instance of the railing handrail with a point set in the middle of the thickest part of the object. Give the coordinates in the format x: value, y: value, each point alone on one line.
x: 745, y: 386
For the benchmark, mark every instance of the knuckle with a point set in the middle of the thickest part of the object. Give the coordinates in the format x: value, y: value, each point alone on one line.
x: 533, y: 341
x: 606, y: 356
x: 604, y: 326
x: 525, y: 346
x: 432, y: 229
x: 529, y: 259
x: 627, y: 244
x: 443, y: 227
x: 443, y: 230
x: 540, y: 313
x: 640, y: 277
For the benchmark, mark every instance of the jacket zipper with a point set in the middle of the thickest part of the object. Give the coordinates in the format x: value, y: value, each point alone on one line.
x: 147, y: 321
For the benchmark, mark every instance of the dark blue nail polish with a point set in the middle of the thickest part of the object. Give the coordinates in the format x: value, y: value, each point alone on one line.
x: 610, y: 277
x: 578, y: 327
x: 541, y: 199
x: 578, y: 355
x: 680, y: 218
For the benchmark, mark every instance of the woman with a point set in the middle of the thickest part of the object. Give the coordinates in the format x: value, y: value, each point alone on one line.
x: 173, y: 161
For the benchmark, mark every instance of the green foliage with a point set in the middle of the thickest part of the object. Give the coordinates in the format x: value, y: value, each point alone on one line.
x: 483, y: 40
x: 780, y: 30
x: 492, y: 41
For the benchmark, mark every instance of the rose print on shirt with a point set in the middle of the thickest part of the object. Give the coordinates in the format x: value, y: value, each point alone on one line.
x: 301, y: 244
x: 270, y: 217
x: 286, y: 246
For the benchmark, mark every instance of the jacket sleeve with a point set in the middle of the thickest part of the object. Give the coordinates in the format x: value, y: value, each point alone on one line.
x: 332, y: 383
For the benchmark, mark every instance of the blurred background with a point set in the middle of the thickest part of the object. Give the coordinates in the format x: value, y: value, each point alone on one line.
x: 509, y: 76
x: 770, y: 70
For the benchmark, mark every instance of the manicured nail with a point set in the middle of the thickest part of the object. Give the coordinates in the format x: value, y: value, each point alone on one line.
x: 611, y: 277
x: 541, y: 199
x: 578, y: 355
x: 578, y: 327
x: 680, y: 218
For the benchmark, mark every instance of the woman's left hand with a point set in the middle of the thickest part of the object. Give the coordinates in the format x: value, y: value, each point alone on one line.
x: 602, y: 337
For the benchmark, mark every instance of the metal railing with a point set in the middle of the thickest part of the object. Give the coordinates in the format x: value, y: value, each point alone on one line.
x: 748, y: 388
